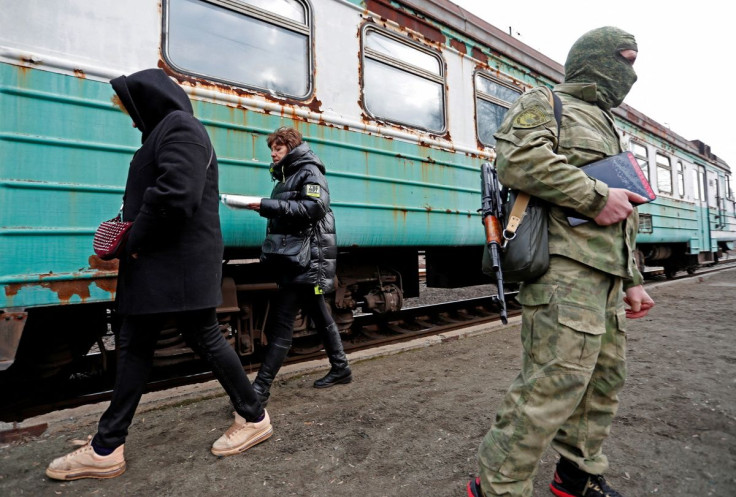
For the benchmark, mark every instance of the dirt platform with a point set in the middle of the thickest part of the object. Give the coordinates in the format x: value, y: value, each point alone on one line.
x: 411, y: 422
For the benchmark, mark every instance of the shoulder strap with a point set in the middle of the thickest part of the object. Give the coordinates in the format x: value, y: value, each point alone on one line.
x: 556, y: 104
x: 522, y: 198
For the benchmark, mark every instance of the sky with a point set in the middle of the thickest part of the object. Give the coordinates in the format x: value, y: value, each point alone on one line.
x: 686, y: 63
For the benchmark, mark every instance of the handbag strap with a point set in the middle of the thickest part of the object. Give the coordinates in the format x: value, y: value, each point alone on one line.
x: 522, y: 198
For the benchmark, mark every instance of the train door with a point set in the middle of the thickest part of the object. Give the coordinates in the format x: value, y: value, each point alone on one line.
x: 702, y: 196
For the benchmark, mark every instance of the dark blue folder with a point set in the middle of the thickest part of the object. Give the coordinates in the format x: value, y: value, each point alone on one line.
x: 618, y: 171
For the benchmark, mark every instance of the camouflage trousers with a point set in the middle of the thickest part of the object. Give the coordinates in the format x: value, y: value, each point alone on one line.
x: 573, y: 367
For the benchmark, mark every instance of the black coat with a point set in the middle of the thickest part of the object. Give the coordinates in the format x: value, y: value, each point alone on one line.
x: 300, y: 202
x: 172, y: 197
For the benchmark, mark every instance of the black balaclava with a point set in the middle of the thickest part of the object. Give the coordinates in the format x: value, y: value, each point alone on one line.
x: 595, y: 58
x: 149, y: 96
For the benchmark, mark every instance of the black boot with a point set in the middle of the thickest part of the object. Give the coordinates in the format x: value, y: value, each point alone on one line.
x: 340, y: 371
x: 276, y: 352
x: 570, y: 481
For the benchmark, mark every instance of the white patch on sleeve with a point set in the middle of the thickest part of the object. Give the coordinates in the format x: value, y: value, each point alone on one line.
x: 313, y: 191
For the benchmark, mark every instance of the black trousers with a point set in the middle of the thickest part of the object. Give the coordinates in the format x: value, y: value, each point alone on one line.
x: 136, y: 345
x: 289, y: 299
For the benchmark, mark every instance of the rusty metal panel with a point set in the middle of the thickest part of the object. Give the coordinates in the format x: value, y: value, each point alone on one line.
x: 64, y: 154
x: 11, y: 329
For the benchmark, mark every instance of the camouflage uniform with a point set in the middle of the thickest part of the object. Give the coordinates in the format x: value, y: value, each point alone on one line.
x: 573, y: 321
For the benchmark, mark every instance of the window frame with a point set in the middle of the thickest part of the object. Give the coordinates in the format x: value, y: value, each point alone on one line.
x: 680, y: 172
x: 260, y: 15
x: 643, y: 161
x: 403, y: 66
x: 663, y: 169
x: 480, y: 95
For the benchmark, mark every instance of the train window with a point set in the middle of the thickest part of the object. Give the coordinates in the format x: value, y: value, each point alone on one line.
x: 664, y: 173
x: 492, y: 100
x: 680, y: 179
x: 729, y: 192
x: 403, y: 82
x: 642, y: 157
x: 260, y: 44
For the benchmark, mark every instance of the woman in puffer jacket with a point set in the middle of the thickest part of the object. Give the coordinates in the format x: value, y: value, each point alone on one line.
x: 299, y: 206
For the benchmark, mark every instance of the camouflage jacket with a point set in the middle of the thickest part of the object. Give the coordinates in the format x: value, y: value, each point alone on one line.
x: 526, y: 160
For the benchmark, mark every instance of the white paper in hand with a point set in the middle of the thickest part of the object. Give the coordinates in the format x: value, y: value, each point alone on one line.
x: 239, y: 201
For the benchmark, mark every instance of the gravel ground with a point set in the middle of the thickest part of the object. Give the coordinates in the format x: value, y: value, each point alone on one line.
x: 411, y: 421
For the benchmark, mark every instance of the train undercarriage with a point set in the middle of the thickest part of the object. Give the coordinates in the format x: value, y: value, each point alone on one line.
x: 77, y: 341
x: 669, y: 259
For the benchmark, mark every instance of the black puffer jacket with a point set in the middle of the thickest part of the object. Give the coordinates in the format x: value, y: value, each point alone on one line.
x: 300, y: 202
x: 172, y: 197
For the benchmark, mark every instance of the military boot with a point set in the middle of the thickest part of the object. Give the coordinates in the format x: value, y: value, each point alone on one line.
x: 569, y: 481
x: 339, y: 370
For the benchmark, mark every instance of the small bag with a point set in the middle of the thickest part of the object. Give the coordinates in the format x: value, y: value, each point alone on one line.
x: 290, y: 253
x: 110, y: 238
x: 525, y: 254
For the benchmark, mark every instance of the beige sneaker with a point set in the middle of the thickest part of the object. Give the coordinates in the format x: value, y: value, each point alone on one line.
x: 86, y: 463
x: 242, y: 435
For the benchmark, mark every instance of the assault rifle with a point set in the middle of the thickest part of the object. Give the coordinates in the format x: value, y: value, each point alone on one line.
x: 493, y: 218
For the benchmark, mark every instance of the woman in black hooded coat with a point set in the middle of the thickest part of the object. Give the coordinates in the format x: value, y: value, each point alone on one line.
x: 300, y: 206
x: 170, y: 272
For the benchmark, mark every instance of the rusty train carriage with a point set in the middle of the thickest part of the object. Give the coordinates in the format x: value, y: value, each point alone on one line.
x: 399, y: 98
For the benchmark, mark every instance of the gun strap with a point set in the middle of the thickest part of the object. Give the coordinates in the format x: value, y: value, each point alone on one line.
x: 522, y: 199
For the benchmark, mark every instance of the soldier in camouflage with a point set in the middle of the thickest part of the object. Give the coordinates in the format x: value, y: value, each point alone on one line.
x: 574, y: 318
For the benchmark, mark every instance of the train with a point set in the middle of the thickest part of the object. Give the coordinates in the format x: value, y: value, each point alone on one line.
x: 399, y: 98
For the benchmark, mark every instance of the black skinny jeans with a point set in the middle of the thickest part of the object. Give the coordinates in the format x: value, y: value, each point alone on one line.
x: 136, y: 344
x: 289, y: 299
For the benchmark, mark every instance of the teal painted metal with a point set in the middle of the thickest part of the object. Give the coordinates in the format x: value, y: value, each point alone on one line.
x: 384, y: 191
x: 674, y: 221
x: 64, y: 153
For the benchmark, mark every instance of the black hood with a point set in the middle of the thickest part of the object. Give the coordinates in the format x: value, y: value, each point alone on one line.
x: 595, y: 58
x: 149, y: 96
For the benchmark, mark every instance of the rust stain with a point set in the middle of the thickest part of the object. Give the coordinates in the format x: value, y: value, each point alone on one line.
x: 387, y: 12
x: 80, y: 74
x: 99, y: 265
x: 30, y: 59
x: 65, y: 290
x: 312, y: 103
x: 479, y: 55
x: 459, y: 46
x: 109, y: 285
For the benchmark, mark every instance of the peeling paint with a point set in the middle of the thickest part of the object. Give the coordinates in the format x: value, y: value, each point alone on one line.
x: 387, y: 12
x: 64, y: 290
x: 288, y: 104
x: 458, y: 45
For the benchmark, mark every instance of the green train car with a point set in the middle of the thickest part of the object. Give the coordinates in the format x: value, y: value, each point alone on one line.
x: 399, y: 99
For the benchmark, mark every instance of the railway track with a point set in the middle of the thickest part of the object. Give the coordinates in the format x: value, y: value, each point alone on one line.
x: 367, y: 332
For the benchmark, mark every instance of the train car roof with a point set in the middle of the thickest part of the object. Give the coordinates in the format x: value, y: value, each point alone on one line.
x: 453, y: 16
